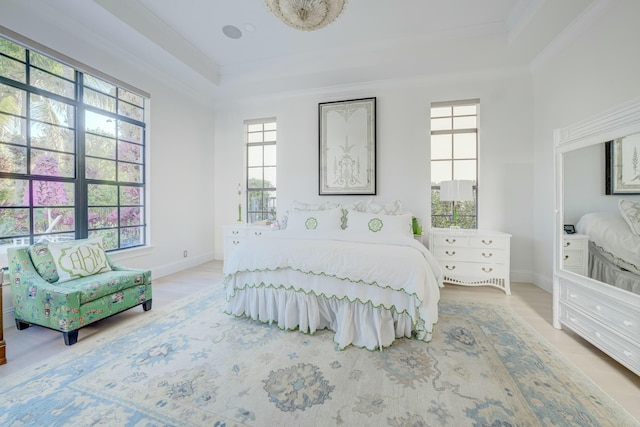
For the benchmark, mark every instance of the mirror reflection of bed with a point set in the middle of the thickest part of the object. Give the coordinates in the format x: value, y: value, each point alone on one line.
x: 613, y: 245
x: 600, y: 302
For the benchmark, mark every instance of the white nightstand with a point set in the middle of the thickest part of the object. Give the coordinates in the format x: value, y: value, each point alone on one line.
x: 472, y: 257
x: 575, y: 253
x: 235, y: 235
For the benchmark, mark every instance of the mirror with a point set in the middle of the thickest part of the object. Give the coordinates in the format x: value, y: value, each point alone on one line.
x: 588, y: 174
x: 596, y: 271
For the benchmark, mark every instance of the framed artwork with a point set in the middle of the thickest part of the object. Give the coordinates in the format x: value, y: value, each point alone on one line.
x: 347, y: 147
x: 622, y: 165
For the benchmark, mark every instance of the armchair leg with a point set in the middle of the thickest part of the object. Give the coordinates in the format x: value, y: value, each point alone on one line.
x: 70, y: 337
x: 20, y: 325
x: 146, y: 306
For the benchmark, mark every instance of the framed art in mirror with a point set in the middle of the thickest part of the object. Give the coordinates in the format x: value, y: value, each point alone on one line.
x: 347, y: 146
x: 622, y: 165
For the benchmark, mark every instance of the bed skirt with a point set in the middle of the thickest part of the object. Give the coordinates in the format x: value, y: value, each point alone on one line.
x: 602, y: 269
x: 354, y: 323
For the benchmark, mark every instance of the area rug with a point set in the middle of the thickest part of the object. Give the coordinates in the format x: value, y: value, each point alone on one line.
x: 193, y: 365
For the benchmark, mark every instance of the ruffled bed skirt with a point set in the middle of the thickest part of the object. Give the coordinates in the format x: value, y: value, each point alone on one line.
x: 605, y: 271
x: 353, y: 322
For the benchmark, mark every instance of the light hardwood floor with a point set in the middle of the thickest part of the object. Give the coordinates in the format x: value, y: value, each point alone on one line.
x: 530, y: 303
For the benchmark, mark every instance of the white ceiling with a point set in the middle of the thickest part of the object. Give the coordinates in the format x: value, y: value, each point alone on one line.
x: 372, y: 39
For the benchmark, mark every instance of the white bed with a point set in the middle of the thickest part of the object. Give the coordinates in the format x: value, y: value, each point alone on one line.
x: 614, y: 250
x: 368, y: 287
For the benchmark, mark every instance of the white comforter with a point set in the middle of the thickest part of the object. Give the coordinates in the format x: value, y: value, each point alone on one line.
x: 375, y: 277
x: 613, y: 236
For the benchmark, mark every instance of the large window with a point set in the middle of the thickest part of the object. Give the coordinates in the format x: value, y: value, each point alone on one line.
x: 72, y: 153
x: 261, y: 138
x: 454, y: 156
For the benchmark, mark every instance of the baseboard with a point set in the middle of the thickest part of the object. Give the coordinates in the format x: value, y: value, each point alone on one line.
x: 178, y: 266
x: 543, y: 282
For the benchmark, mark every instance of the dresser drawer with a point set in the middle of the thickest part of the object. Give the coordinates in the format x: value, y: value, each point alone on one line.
x: 488, y: 242
x: 475, y: 272
x: 572, y: 258
x: 487, y: 255
x: 623, y: 320
x: 622, y: 349
x: 450, y: 241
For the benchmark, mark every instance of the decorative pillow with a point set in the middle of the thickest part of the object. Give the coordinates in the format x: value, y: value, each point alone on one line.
x: 321, y: 220
x: 631, y: 213
x: 300, y: 206
x: 79, y: 258
x: 391, y: 208
x: 43, y: 262
x: 397, y: 225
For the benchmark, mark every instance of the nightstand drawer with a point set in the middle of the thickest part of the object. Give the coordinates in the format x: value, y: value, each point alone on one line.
x: 452, y: 241
x: 489, y: 242
x: 573, y: 258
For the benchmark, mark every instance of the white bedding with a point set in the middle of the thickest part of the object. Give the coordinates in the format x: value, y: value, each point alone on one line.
x: 612, y: 236
x: 368, y: 289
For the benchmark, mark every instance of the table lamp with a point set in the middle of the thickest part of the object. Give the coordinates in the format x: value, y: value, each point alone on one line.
x: 455, y: 191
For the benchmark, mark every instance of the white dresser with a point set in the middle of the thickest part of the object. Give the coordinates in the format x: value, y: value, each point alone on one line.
x: 472, y: 257
x: 575, y: 253
x: 236, y: 235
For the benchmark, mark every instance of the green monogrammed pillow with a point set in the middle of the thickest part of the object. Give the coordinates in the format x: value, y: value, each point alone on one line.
x: 79, y: 258
x: 43, y: 262
x: 631, y: 213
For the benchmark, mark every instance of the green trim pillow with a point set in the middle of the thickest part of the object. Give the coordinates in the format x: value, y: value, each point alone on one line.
x: 322, y: 220
x: 380, y: 224
x: 79, y: 258
x: 43, y: 262
x: 631, y: 213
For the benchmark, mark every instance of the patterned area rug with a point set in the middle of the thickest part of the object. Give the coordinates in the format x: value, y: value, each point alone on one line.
x: 192, y: 365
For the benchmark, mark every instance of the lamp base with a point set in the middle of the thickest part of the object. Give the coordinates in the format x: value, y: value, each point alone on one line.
x: 454, y: 227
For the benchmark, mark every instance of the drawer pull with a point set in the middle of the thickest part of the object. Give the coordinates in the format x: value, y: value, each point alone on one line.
x: 450, y: 268
x: 450, y: 253
x: 572, y: 295
x: 566, y: 257
x: 487, y: 256
x: 450, y: 240
x: 236, y: 242
x: 627, y: 353
x: 487, y: 243
x: 627, y: 323
x: 487, y: 270
x: 234, y: 232
x: 258, y: 233
x: 567, y: 244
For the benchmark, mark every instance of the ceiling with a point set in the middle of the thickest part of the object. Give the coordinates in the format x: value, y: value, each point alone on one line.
x: 372, y: 40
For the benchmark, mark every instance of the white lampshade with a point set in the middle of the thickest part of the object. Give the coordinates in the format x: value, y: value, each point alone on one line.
x: 456, y: 190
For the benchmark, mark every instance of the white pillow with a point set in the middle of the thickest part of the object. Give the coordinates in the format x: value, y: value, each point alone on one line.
x: 390, y: 208
x: 396, y: 225
x: 79, y: 258
x: 631, y: 213
x: 301, y: 206
x: 321, y: 220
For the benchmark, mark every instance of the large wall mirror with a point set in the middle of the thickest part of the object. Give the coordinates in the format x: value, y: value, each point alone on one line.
x: 597, y: 167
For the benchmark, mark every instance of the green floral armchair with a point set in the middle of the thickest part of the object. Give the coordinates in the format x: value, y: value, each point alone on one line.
x: 40, y: 298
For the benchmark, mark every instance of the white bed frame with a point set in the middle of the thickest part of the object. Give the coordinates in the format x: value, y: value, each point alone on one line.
x: 604, y: 315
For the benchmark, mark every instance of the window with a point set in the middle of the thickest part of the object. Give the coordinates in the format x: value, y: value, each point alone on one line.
x: 454, y: 156
x: 261, y: 169
x: 72, y: 153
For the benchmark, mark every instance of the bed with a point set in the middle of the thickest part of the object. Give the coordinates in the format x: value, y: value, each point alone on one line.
x: 614, y: 250
x: 359, y: 274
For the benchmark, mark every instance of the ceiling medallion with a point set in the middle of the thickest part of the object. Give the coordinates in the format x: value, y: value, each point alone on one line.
x: 306, y: 15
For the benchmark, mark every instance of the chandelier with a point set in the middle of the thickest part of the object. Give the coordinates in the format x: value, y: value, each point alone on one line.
x: 306, y: 15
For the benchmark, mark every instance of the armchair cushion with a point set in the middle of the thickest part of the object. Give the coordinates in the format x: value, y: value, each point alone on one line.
x: 43, y: 262
x: 79, y: 258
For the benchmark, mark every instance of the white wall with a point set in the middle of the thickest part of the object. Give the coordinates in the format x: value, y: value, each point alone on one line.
x: 594, y: 67
x: 506, y: 167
